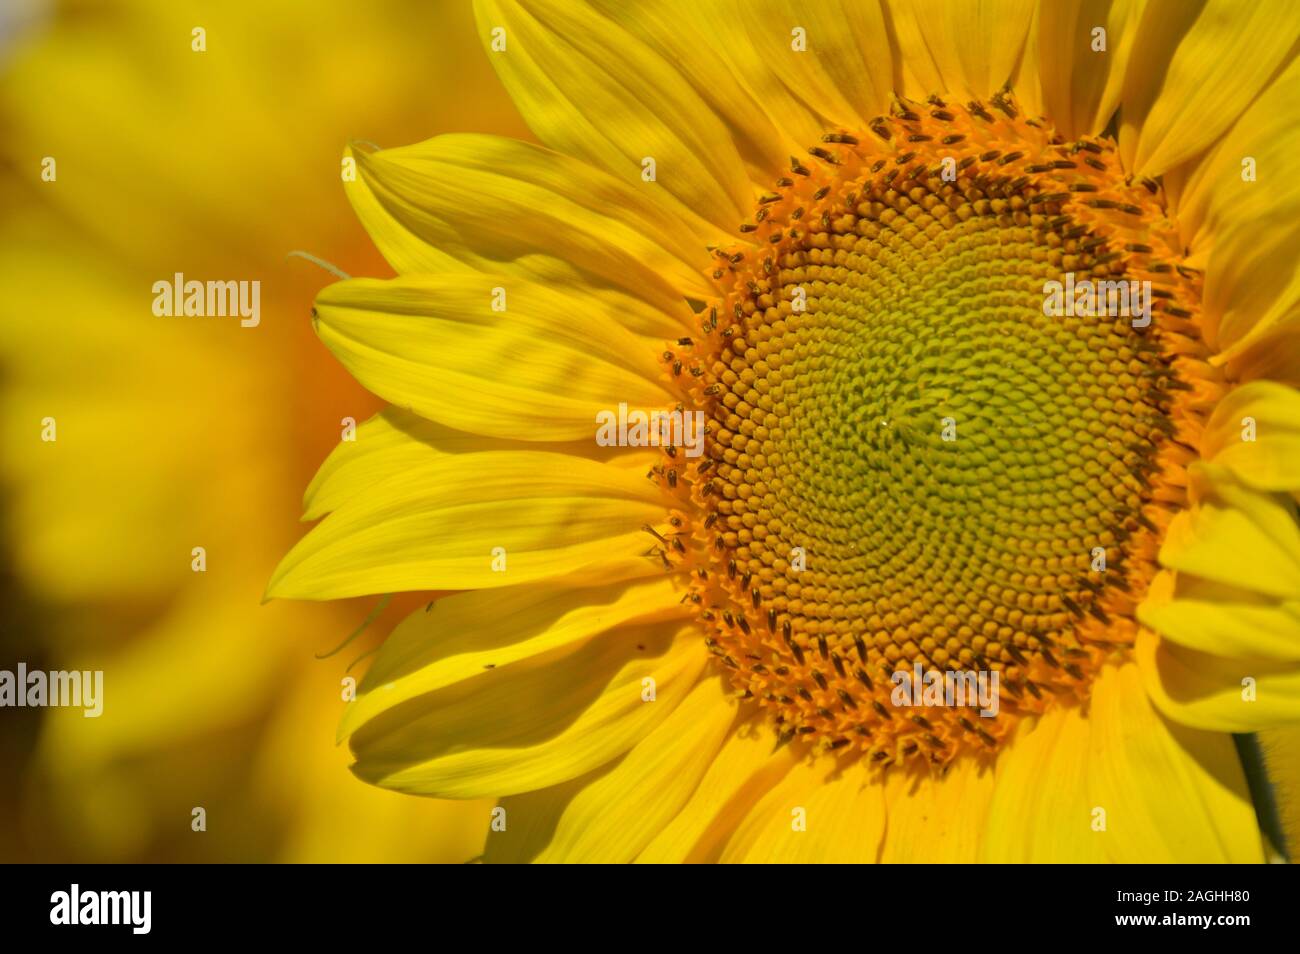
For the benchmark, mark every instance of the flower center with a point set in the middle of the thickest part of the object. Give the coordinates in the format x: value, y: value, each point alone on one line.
x: 923, y: 456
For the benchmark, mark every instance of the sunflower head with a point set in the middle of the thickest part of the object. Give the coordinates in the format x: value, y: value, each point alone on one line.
x: 912, y: 462
x: 969, y: 377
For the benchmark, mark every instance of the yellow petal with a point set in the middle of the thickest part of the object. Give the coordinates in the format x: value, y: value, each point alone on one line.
x: 590, y: 89
x: 1221, y: 619
x: 498, y: 205
x: 1249, y: 229
x: 526, y: 822
x: 1179, y: 101
x: 1170, y: 793
x: 780, y: 74
x: 1214, y: 188
x: 684, y: 34
x: 461, y: 636
x: 394, y: 441
x: 1221, y: 693
x: 746, y: 767
x: 388, y: 444
x: 1269, y: 415
x: 1081, y: 85
x: 1118, y: 783
x: 534, y: 724
x: 937, y: 818
x: 976, y: 45
x: 1025, y: 78
x: 543, y: 369
x: 917, y: 75
x: 324, y: 815
x: 1040, y: 810
x: 1281, y: 750
x: 1235, y: 535
x: 846, y: 71
x: 1272, y: 354
x: 615, y: 816
x: 444, y: 525
x: 820, y: 812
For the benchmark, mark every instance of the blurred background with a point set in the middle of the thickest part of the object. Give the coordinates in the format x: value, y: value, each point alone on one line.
x: 178, y: 433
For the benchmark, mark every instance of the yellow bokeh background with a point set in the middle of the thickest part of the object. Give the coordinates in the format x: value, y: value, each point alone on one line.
x: 174, y: 433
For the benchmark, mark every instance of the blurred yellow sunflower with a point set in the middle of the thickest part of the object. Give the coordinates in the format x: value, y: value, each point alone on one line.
x: 174, y: 433
x: 877, y: 251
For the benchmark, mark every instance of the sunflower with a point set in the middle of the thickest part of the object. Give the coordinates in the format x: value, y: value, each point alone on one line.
x: 875, y: 251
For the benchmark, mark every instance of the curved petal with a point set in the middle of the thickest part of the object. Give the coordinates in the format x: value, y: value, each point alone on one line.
x: 1235, y: 535
x: 975, y: 45
x: 1030, y: 820
x: 1248, y: 230
x: 395, y: 440
x: 1026, y: 80
x: 916, y: 74
x: 541, y: 370
x: 1081, y: 85
x: 780, y: 74
x: 821, y: 812
x: 1170, y: 793
x: 443, y: 526
x: 1273, y: 354
x: 1125, y: 786
x: 935, y: 818
x: 498, y: 205
x: 614, y: 817
x: 534, y: 724
x: 1226, y: 620
x: 590, y: 89
x: 843, y: 73
x: 747, y: 766
x: 1200, y: 66
x: 687, y: 35
x: 1219, y: 693
x: 461, y: 636
x: 775, y: 99
x: 527, y: 821
x: 386, y: 445
x: 1255, y: 433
